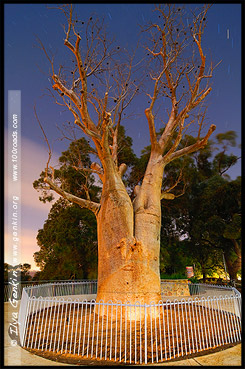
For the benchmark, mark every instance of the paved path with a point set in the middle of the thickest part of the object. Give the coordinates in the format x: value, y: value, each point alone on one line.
x: 16, y: 356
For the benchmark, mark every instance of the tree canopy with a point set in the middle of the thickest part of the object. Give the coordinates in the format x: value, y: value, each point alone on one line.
x: 22, y: 271
x: 207, y: 218
x: 203, y: 222
x: 68, y: 244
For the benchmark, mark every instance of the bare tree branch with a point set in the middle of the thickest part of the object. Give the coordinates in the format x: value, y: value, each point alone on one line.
x: 168, y: 43
x: 93, y: 206
x: 46, y: 139
x: 166, y: 194
x: 189, y: 149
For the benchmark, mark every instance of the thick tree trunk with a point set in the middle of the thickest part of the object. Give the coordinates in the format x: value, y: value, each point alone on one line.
x: 129, y: 239
x: 147, y: 216
x: 204, y: 275
x: 233, y: 266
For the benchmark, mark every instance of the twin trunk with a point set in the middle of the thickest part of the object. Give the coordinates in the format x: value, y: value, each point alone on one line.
x: 129, y: 239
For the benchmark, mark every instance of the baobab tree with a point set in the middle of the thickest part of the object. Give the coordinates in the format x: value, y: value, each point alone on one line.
x: 97, y: 91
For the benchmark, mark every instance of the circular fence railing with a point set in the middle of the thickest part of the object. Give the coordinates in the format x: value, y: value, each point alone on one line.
x: 66, y: 318
x: 9, y: 288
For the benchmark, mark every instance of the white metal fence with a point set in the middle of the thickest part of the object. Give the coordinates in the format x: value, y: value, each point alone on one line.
x: 8, y: 288
x: 68, y: 285
x: 56, y: 318
x: 76, y: 288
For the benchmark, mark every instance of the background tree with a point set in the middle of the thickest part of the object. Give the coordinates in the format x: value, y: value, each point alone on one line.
x: 216, y: 206
x: 73, y: 174
x: 233, y: 255
x: 215, y: 225
x: 209, y: 210
x: 25, y: 269
x: 68, y: 244
x: 22, y: 270
x: 97, y: 91
x: 6, y: 271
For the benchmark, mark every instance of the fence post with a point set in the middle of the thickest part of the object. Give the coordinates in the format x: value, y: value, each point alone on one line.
x: 145, y: 336
x: 22, y: 316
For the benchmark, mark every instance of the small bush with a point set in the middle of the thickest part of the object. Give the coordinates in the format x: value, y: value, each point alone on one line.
x: 173, y: 276
x: 193, y: 280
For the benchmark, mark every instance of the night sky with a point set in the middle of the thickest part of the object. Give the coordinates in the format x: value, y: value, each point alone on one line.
x: 27, y: 69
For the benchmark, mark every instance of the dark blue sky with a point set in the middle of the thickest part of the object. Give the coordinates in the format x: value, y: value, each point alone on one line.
x: 26, y: 65
x: 27, y: 69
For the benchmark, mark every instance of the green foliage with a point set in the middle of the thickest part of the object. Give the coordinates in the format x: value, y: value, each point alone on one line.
x: 233, y: 229
x: 173, y: 256
x: 125, y: 151
x: 138, y: 168
x: 6, y: 271
x: 222, y: 162
x: 173, y: 276
x: 74, y: 164
x: 68, y: 245
x: 37, y: 276
x: 193, y: 280
x: 21, y: 269
x: 227, y: 138
x: 207, y: 215
x: 72, y: 173
x: 68, y: 239
x: 214, y: 221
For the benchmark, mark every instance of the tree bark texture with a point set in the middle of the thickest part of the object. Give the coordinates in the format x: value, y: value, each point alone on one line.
x: 129, y: 239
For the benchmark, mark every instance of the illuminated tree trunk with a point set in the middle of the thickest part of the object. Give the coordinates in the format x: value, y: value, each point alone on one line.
x: 129, y: 240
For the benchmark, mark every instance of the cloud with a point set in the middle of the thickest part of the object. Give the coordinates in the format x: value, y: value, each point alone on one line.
x: 33, y: 211
x: 33, y: 160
